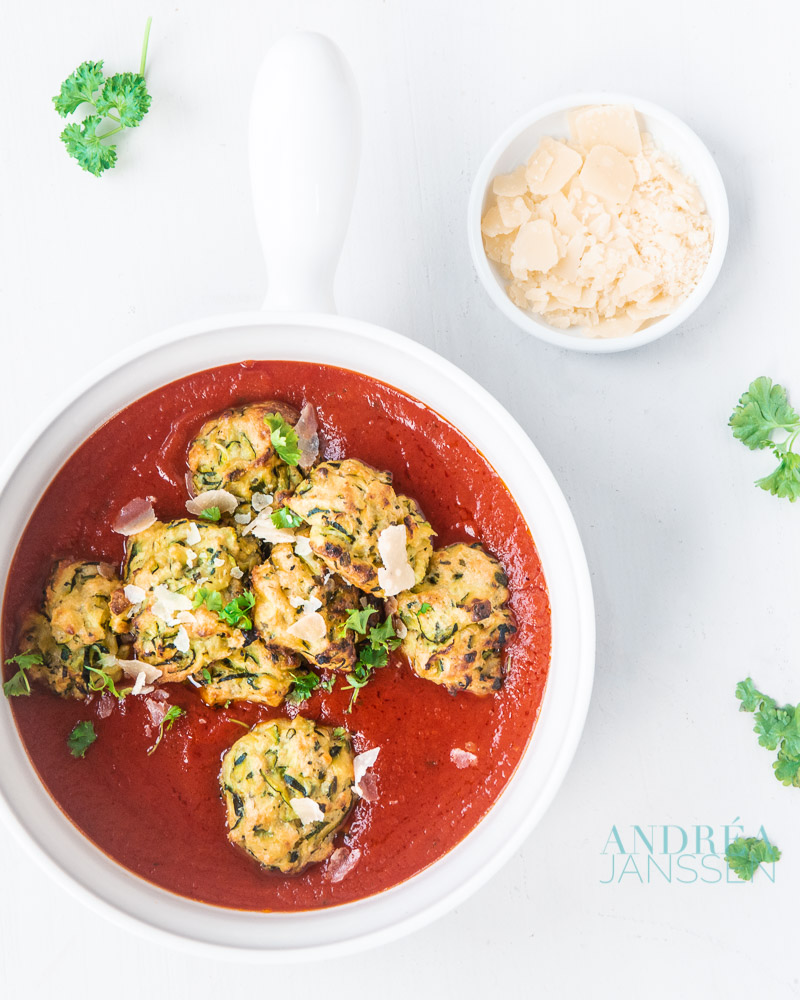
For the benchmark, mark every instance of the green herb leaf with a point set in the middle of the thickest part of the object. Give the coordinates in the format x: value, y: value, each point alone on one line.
x: 84, y: 145
x: 285, y: 518
x: 211, y: 598
x: 125, y: 93
x: 384, y: 636
x: 122, y: 102
x: 99, y: 681
x: 79, y: 88
x: 206, y: 675
x: 19, y: 684
x: 357, y: 620
x: 763, y: 409
x: 424, y: 607
x: 283, y: 438
x: 235, y: 612
x: 172, y: 714
x: 305, y: 683
x: 777, y: 729
x: 745, y: 854
x: 81, y: 738
x: 785, y: 480
x: 211, y: 514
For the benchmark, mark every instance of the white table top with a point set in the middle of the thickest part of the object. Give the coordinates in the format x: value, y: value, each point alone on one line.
x: 695, y: 571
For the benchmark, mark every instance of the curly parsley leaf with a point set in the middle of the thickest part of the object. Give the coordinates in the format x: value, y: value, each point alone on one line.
x: 79, y: 88
x: 19, y: 683
x: 116, y: 103
x: 235, y: 612
x: 125, y: 93
x: 285, y: 518
x: 211, y: 514
x: 381, y: 640
x: 785, y: 480
x: 211, y: 598
x: 84, y: 145
x: 283, y: 438
x: 173, y: 713
x: 81, y: 738
x: 745, y: 854
x: 777, y: 728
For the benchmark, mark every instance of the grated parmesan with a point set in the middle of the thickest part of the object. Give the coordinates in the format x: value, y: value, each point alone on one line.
x: 397, y: 574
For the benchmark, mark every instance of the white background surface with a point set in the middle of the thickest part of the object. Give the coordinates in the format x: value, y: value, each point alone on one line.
x: 695, y: 571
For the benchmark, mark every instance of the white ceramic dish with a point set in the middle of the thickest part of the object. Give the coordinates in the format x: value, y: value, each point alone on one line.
x: 516, y: 145
x: 316, y: 100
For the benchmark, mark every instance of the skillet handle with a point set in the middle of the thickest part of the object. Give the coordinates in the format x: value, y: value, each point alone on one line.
x: 305, y: 133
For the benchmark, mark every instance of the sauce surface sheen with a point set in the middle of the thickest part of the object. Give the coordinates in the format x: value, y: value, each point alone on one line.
x: 161, y: 815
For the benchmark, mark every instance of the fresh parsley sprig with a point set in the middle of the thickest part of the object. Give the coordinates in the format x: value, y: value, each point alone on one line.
x: 211, y: 514
x: 777, y: 729
x: 285, y: 518
x: 380, y: 641
x: 234, y: 613
x: 745, y: 854
x: 120, y: 101
x: 81, y: 738
x: 763, y: 412
x: 173, y: 713
x: 283, y: 438
x: 19, y: 683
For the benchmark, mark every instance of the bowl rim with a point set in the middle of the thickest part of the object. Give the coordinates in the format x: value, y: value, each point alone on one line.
x: 562, y: 746
x: 538, y: 328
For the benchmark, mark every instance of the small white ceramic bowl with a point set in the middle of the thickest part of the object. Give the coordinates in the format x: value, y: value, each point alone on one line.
x: 515, y: 147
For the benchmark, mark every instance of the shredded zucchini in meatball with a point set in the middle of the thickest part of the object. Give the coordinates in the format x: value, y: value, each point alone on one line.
x: 348, y: 504
x: 165, y: 557
x: 285, y: 586
x: 254, y: 673
x: 74, y: 633
x: 268, y: 771
x: 234, y: 452
x: 457, y: 620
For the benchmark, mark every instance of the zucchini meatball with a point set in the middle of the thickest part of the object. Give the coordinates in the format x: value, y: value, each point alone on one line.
x: 254, y: 673
x: 180, y: 564
x: 348, y: 504
x: 457, y: 620
x: 288, y: 787
x: 234, y: 452
x: 74, y: 633
x: 288, y: 585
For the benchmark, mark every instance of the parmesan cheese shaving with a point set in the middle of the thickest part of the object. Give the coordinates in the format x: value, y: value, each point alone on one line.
x: 306, y: 810
x: 134, y: 594
x: 226, y: 502
x: 397, y: 573
x: 260, y: 501
x: 263, y: 528
x: 309, y: 627
x: 167, y: 604
x: 307, y: 437
x: 182, y: 640
x: 342, y: 862
x: 136, y: 516
x: 236, y: 573
x: 463, y: 758
x: 361, y: 764
x: 243, y: 518
x: 192, y: 534
x: 302, y: 547
x: 143, y: 674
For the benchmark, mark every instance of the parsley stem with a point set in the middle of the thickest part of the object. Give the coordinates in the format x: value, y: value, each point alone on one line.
x: 144, y: 46
x: 113, y: 131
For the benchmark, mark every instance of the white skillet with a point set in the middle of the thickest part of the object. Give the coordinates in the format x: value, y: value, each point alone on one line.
x: 305, y: 102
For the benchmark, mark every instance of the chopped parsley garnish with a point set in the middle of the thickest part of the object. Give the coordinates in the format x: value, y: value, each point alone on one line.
x: 81, y: 738
x: 745, y: 854
x: 425, y: 607
x: 19, y: 683
x: 211, y: 514
x: 206, y: 675
x: 357, y: 621
x: 173, y: 713
x: 285, y: 518
x: 305, y: 683
x: 116, y: 103
x: 99, y: 679
x: 381, y: 640
x: 762, y: 412
x: 283, y: 438
x: 235, y: 612
x: 777, y: 729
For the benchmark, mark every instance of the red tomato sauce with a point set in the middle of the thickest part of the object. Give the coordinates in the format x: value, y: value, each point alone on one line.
x: 161, y: 815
